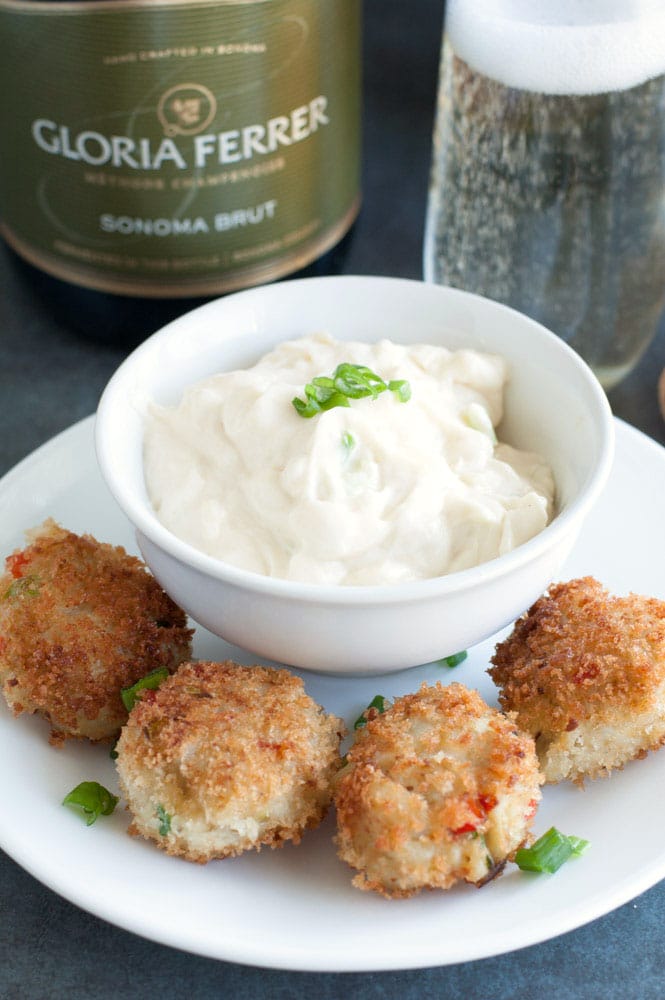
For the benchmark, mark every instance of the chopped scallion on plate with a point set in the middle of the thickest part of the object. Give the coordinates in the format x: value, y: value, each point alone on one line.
x: 376, y: 706
x: 92, y: 799
x: 151, y: 681
x: 455, y: 659
x: 551, y: 851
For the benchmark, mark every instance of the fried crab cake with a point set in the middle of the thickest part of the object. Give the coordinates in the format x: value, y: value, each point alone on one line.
x: 440, y: 788
x: 223, y: 758
x: 584, y: 671
x: 79, y: 620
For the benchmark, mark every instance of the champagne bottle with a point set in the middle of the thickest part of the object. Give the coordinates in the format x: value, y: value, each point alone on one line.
x: 159, y: 152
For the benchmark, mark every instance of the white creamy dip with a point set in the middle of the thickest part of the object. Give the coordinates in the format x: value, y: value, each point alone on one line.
x: 380, y: 492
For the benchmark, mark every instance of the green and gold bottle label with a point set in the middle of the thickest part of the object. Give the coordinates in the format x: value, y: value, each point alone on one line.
x: 178, y: 147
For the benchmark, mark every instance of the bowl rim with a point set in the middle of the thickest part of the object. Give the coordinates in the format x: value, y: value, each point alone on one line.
x: 147, y: 525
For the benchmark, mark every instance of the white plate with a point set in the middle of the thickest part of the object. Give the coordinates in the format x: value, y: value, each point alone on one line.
x: 295, y: 908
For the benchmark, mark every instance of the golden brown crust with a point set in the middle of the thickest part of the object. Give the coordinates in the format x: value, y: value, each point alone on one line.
x: 239, y: 757
x: 438, y: 788
x: 582, y: 659
x: 79, y: 620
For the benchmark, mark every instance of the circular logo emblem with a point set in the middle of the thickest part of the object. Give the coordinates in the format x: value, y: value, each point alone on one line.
x: 186, y: 109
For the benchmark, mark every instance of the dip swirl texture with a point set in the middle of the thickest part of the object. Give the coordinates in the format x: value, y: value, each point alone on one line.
x: 380, y: 492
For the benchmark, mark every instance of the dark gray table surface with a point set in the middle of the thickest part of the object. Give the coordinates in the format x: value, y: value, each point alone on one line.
x: 50, y: 377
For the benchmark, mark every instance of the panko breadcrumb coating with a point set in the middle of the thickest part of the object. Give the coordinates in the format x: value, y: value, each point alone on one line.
x: 440, y: 788
x: 234, y: 757
x: 584, y: 671
x: 79, y: 620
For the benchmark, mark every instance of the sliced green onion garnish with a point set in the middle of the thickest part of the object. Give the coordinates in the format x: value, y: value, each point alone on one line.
x: 92, y: 799
x: 164, y: 821
x: 579, y: 845
x: 347, y: 382
x: 455, y: 659
x: 150, y: 681
x: 357, y: 381
x: 477, y: 417
x: 348, y: 441
x: 378, y: 703
x: 401, y: 388
x: 551, y: 851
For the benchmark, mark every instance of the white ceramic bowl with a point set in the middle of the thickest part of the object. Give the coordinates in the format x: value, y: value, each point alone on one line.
x: 553, y: 406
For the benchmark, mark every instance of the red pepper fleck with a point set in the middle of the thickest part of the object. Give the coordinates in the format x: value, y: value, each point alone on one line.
x: 16, y: 563
x: 531, y: 810
x: 480, y: 806
x: 589, y: 674
x: 572, y: 724
x: 466, y: 828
